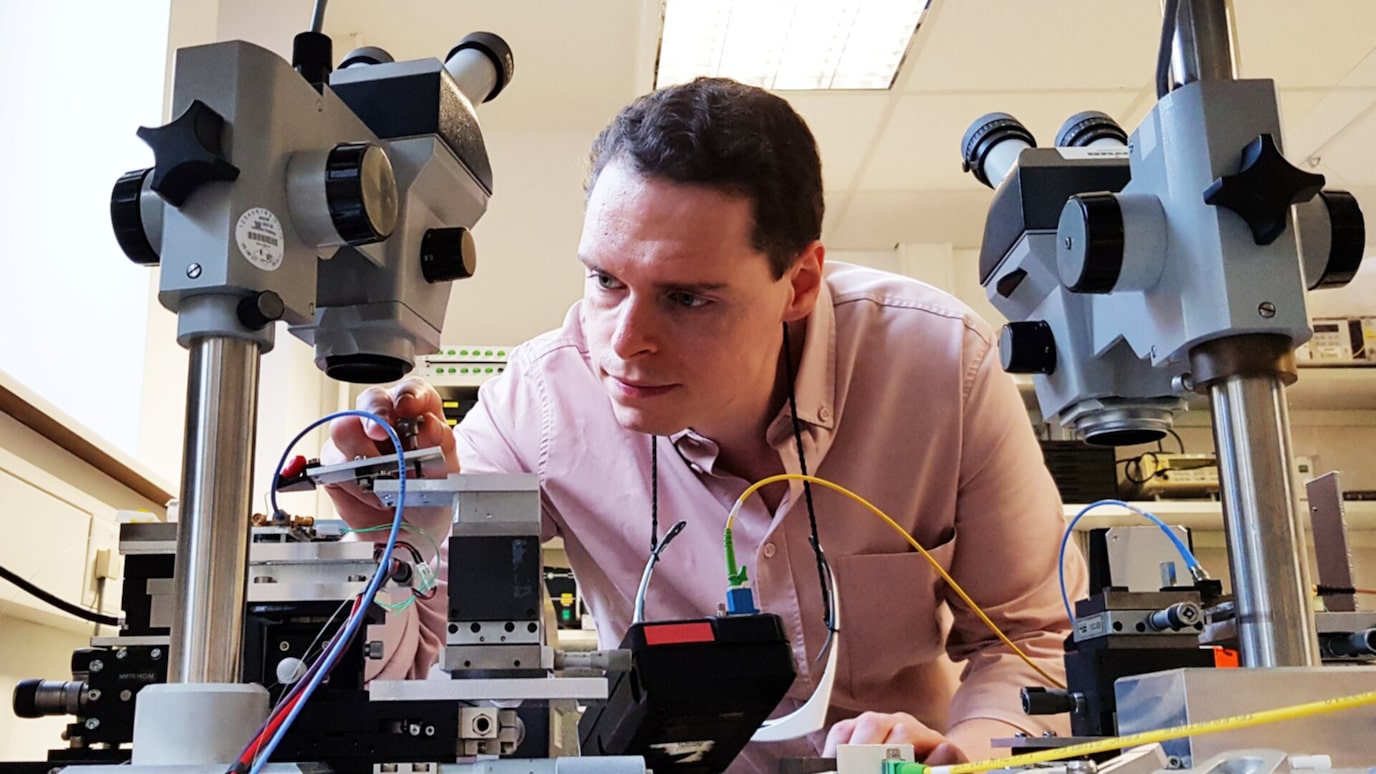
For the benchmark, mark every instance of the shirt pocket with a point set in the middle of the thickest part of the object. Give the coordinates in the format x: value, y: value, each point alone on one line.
x: 890, y: 618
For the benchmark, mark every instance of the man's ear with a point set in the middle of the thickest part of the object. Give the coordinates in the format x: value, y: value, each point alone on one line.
x: 805, y: 281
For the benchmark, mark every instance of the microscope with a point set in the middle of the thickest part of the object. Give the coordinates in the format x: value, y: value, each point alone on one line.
x: 1135, y: 270
x: 341, y: 202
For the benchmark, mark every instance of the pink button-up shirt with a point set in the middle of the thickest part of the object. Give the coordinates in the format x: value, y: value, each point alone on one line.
x: 901, y: 400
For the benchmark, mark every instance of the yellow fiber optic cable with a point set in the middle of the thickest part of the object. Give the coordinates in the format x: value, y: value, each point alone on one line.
x: 735, y: 509
x: 1148, y: 737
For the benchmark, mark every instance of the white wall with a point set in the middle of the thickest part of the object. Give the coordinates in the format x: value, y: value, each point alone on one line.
x: 79, y: 77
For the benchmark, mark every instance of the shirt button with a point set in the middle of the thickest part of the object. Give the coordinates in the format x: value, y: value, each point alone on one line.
x: 824, y: 414
x: 769, y: 550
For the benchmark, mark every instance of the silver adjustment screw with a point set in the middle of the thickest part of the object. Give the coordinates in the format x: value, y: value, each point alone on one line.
x: 96, y: 665
x: 1267, y: 309
x: 193, y: 271
x: 92, y: 724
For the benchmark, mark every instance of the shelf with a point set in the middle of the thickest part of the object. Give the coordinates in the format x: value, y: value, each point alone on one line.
x: 1197, y: 514
x: 1318, y: 388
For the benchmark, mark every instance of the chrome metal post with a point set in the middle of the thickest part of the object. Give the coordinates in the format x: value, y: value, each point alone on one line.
x: 1202, y: 49
x: 212, y: 533
x: 1265, y: 537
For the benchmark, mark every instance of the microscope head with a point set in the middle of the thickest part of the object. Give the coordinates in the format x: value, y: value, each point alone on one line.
x: 1105, y: 394
x: 345, y: 211
x: 1121, y: 266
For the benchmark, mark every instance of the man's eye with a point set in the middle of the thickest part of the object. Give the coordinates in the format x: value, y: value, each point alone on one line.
x: 688, y: 300
x: 605, y: 281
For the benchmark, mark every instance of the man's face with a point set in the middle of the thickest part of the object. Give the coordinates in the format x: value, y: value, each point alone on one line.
x: 681, y: 313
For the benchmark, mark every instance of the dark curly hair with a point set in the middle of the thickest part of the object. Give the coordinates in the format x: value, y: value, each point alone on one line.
x: 735, y: 138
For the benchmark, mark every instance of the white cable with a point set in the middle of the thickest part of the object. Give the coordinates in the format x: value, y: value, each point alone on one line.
x: 812, y: 716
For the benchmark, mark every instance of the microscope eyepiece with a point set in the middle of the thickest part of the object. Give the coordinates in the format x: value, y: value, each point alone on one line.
x: 365, y: 55
x: 991, y: 146
x: 1090, y: 128
x: 482, y: 64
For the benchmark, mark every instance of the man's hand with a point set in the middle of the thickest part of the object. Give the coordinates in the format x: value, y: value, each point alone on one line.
x: 896, y: 728
x: 354, y: 437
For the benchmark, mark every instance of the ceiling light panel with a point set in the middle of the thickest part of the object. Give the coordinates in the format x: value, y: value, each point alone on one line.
x: 788, y: 44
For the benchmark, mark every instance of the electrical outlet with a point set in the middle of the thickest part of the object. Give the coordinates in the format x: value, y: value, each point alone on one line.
x: 103, y: 564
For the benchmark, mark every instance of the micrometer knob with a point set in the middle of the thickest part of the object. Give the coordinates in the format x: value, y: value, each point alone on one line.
x: 1028, y: 347
x: 189, y: 153
x: 1181, y: 615
x: 1046, y: 701
x: 1263, y: 189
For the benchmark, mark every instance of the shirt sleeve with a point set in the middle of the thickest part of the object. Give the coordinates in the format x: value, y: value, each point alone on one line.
x: 503, y: 433
x: 1009, y: 524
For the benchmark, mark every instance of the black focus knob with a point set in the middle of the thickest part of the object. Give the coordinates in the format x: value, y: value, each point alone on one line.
x: 361, y: 192
x: 1263, y: 189
x: 448, y: 254
x: 189, y: 153
x: 1028, y: 348
x: 261, y: 309
x: 1092, y: 240
x: 1347, y: 228
x: 126, y: 215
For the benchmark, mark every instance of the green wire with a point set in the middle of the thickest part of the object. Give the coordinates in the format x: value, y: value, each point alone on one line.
x: 408, y: 527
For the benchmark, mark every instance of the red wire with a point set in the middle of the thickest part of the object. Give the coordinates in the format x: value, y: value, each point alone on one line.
x: 275, y: 721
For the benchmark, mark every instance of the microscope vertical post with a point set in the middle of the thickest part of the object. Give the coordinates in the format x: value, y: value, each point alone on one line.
x: 1251, y: 428
x: 212, y: 539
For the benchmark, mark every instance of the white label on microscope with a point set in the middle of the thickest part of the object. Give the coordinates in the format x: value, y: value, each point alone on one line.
x: 260, y: 239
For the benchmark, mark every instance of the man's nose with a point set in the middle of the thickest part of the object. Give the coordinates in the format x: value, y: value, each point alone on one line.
x: 634, y: 334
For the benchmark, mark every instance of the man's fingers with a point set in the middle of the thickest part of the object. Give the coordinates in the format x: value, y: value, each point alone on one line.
x: 348, y: 440
x: 376, y: 400
x: 434, y: 431
x: 416, y: 397
x: 872, y: 728
x: 946, y: 753
x: 839, y: 734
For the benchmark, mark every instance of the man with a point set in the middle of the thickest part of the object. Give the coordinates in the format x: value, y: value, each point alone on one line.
x: 712, y: 342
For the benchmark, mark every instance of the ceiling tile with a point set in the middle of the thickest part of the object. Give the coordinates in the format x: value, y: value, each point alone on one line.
x: 845, y: 124
x: 998, y: 45
x: 1313, y: 43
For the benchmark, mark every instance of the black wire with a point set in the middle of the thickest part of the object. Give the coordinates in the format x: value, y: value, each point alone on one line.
x: 823, y: 570
x: 654, y: 493
x: 1178, y: 440
x: 318, y: 16
x: 60, y: 604
x: 1163, y: 54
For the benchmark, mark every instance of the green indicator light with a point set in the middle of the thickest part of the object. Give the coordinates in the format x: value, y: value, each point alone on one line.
x: 501, y: 353
x: 567, y: 615
x: 451, y: 370
x: 463, y: 370
x: 489, y: 353
x: 461, y: 352
x: 451, y: 351
x: 489, y: 370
